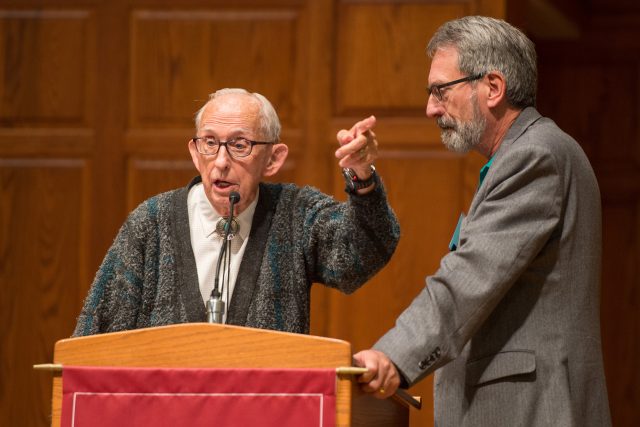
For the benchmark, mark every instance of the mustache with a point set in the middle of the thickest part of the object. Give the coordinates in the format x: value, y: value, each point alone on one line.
x: 446, y: 123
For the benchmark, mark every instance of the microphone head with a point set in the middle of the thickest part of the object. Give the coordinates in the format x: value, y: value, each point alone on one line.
x: 234, y: 197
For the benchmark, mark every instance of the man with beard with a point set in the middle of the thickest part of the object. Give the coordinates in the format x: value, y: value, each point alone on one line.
x: 509, y: 323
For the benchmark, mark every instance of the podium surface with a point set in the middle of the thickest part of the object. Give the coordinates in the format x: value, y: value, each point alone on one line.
x: 203, y: 345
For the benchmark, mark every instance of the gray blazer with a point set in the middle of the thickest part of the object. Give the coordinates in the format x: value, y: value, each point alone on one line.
x: 510, y: 321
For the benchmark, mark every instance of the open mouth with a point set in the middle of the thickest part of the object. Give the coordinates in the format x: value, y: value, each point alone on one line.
x: 222, y: 184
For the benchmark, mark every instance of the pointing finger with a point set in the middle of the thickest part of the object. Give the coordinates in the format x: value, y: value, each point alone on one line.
x: 364, y: 125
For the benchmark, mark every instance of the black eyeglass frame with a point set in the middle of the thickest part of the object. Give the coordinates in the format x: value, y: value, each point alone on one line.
x: 436, y: 90
x: 195, y: 140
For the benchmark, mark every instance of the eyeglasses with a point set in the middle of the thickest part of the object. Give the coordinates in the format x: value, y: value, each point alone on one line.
x: 436, y: 90
x: 236, y: 147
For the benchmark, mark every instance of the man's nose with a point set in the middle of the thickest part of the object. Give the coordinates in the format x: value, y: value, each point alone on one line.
x: 222, y: 157
x: 434, y: 107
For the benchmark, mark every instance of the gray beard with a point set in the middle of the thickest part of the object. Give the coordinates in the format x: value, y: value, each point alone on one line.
x: 461, y: 137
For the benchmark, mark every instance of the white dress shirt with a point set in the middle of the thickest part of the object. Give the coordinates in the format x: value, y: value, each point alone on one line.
x: 206, y: 243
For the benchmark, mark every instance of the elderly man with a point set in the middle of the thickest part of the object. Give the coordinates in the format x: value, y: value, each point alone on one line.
x: 163, y: 264
x: 510, y: 321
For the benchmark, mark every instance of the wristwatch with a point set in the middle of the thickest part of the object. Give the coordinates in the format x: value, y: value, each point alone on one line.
x: 354, y: 183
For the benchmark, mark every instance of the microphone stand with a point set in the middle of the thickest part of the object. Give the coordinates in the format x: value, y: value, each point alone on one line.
x: 215, y: 304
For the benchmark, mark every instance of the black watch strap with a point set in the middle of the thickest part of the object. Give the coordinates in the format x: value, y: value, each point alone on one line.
x: 354, y: 183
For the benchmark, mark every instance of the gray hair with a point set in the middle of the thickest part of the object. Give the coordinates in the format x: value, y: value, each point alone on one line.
x: 488, y: 44
x: 269, y: 121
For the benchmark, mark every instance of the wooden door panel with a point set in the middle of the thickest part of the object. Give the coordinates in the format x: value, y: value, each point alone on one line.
x: 43, y: 229
x: 178, y: 57
x: 603, y: 98
x: 427, y: 221
x: 44, y: 69
x: 619, y: 301
x: 380, y: 54
x: 150, y: 177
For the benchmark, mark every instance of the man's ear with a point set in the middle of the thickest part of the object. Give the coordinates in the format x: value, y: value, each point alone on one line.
x: 497, y: 89
x: 278, y: 155
x: 194, y: 154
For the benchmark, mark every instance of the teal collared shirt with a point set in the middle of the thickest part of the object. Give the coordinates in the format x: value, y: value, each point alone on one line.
x: 455, y: 239
x: 484, y: 170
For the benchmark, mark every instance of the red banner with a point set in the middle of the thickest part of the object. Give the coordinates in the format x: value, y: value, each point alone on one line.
x: 121, y: 397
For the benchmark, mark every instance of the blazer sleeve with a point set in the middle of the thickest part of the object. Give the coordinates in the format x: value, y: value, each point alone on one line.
x: 512, y: 217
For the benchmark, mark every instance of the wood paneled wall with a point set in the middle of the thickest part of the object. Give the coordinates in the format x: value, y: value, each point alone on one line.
x: 96, y: 107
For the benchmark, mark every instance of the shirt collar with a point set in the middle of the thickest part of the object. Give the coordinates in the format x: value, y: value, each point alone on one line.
x: 484, y: 171
x: 209, y: 217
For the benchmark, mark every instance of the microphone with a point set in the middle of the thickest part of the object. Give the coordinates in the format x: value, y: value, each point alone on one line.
x: 215, y: 305
x: 234, y: 198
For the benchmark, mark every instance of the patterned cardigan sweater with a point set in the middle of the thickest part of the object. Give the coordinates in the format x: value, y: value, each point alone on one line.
x: 299, y: 236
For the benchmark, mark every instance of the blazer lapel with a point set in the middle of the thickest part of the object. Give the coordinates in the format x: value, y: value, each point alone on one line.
x: 526, y: 118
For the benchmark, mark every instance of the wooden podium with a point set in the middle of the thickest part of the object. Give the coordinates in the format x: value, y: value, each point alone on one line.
x: 203, y: 345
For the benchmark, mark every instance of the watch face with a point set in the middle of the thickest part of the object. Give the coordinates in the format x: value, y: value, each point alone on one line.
x: 349, y: 176
x: 349, y: 173
x: 353, y: 182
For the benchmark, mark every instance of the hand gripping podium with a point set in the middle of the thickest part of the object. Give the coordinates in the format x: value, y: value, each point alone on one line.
x: 203, y: 345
